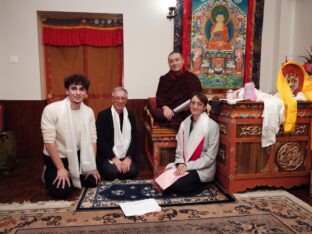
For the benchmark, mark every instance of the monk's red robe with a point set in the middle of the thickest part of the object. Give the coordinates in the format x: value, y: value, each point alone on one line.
x: 174, y: 89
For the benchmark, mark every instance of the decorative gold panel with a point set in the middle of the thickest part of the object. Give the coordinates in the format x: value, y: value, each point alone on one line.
x: 222, y: 153
x: 221, y: 158
x: 249, y: 130
x: 290, y: 156
x: 223, y: 128
x: 300, y: 130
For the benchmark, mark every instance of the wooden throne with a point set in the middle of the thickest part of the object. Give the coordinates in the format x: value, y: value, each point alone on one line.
x: 160, y: 143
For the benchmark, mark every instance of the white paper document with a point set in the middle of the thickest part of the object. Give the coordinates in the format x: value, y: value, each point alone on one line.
x: 182, y: 106
x: 140, y: 207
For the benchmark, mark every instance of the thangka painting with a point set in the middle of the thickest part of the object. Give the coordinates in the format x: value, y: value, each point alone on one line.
x: 218, y: 42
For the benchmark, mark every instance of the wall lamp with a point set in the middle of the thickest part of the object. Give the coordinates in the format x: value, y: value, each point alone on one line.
x: 172, y: 12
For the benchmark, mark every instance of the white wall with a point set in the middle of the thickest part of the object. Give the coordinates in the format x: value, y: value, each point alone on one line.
x: 286, y: 32
x: 269, y: 46
x: 302, y: 28
x: 148, y: 38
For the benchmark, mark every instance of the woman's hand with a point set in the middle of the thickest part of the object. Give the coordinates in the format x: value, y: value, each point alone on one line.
x: 181, y: 169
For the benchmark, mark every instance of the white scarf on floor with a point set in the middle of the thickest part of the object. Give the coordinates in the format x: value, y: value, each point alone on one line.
x: 121, y: 140
x: 87, y: 157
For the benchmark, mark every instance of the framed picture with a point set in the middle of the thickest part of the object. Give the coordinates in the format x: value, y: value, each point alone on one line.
x: 216, y: 39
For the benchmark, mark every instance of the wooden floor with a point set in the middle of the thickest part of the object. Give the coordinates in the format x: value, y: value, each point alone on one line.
x: 24, y: 183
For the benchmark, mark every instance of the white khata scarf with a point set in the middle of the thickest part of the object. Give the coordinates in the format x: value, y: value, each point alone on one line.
x: 121, y: 140
x: 273, y: 115
x: 87, y: 157
x: 191, y: 141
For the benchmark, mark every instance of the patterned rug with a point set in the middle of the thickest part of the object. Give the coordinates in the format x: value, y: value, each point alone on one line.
x: 108, y: 195
x: 256, y: 212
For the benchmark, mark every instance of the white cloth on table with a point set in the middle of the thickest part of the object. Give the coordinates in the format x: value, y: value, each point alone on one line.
x: 273, y: 116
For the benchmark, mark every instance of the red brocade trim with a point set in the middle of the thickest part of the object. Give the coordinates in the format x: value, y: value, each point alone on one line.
x: 82, y: 35
x: 198, y: 151
x: 187, y: 10
x: 249, y: 37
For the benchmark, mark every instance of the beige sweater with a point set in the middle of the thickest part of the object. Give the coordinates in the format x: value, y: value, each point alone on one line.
x: 52, y: 127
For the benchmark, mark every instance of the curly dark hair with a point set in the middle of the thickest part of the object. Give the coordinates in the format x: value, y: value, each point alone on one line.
x: 76, y: 79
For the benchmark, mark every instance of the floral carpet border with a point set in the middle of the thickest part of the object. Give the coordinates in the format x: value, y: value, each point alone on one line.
x: 256, y: 212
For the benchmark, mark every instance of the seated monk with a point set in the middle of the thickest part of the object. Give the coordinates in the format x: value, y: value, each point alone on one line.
x: 174, y: 88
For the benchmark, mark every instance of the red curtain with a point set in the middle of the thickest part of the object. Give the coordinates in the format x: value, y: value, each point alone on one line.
x: 249, y: 45
x: 76, y: 32
x: 187, y: 12
x: 82, y: 35
x: 93, y: 47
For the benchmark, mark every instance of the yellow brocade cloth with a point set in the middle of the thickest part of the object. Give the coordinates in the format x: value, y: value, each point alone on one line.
x: 287, y: 95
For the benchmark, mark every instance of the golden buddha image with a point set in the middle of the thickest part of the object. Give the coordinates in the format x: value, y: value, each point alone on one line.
x: 219, y: 34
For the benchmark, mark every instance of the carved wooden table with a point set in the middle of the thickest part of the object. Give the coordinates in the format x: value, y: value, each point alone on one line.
x: 243, y: 164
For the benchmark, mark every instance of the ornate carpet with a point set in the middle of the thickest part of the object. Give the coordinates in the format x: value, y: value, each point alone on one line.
x: 109, y: 194
x: 256, y: 212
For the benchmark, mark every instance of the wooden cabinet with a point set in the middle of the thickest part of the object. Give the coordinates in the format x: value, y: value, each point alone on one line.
x: 242, y: 163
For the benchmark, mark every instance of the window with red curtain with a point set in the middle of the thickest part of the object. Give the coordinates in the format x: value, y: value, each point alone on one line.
x: 92, y: 46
